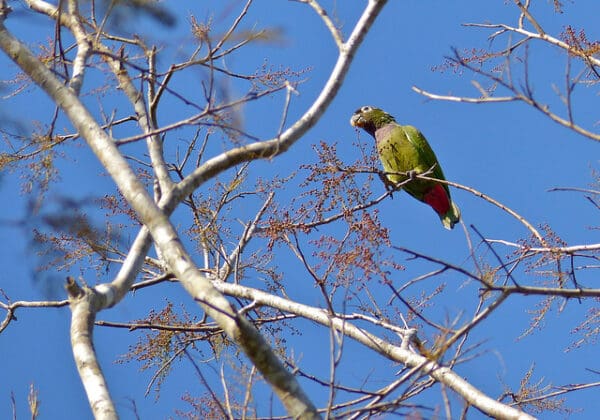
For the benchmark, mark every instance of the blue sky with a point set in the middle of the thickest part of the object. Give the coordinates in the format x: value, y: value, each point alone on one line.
x: 508, y: 151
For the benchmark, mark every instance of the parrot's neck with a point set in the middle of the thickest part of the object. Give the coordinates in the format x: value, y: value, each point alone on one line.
x: 383, y: 134
x: 377, y: 122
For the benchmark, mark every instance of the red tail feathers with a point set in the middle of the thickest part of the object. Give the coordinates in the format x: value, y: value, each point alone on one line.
x: 438, y: 199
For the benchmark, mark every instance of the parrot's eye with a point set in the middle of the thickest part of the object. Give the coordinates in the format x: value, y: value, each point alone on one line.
x: 365, y: 109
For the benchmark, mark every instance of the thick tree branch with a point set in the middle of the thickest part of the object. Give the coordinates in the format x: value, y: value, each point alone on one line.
x: 399, y: 354
x: 157, y: 222
x: 162, y: 231
x: 83, y: 48
x: 84, y: 306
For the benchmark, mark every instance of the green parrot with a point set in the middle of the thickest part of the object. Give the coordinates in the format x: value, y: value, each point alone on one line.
x: 402, y: 148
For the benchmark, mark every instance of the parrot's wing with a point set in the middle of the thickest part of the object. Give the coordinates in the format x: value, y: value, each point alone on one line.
x: 426, y: 154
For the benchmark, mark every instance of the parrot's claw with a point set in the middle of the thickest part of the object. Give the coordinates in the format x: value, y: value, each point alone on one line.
x: 412, y: 174
x: 389, y: 185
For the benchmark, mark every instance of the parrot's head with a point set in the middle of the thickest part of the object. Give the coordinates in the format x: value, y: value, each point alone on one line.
x: 370, y: 119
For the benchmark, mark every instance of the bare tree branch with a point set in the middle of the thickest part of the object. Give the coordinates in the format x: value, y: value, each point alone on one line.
x: 411, y: 359
x: 163, y: 233
x: 84, y: 306
x: 268, y: 149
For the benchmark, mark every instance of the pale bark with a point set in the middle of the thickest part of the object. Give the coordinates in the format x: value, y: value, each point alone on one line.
x: 401, y: 354
x: 85, y: 303
x: 163, y: 233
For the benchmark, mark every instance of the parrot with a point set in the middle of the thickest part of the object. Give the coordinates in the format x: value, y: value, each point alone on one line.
x: 405, y: 152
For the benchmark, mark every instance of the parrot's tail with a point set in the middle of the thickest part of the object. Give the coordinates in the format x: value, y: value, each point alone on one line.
x: 451, y: 217
x: 439, y: 199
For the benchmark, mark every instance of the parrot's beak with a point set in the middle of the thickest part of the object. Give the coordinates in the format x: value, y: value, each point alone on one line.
x: 357, y: 120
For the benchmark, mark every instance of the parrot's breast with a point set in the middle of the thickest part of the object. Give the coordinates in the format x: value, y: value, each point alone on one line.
x: 396, y: 152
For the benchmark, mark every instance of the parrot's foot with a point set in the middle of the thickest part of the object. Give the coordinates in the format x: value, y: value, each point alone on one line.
x: 412, y: 175
x: 389, y: 185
